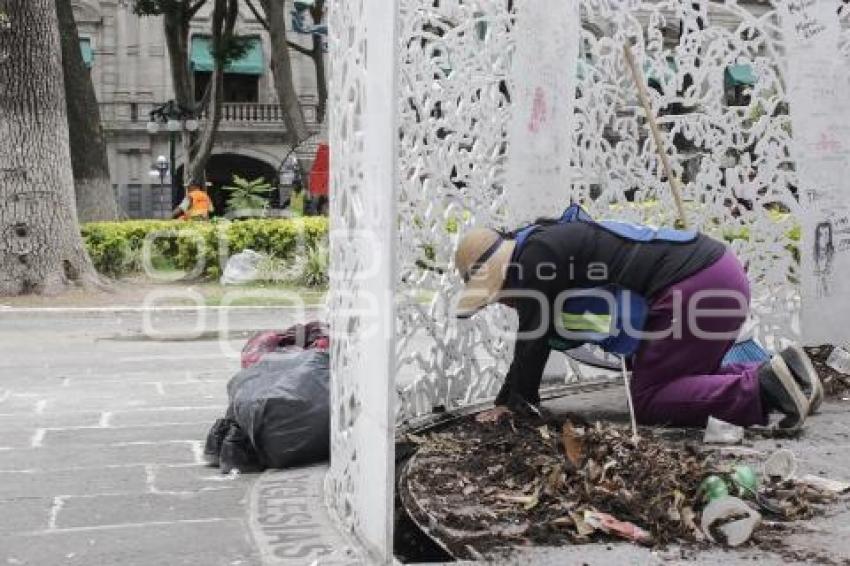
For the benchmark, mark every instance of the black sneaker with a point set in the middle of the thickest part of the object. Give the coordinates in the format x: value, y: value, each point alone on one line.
x: 780, y: 391
x: 237, y: 452
x: 215, y: 437
x: 806, y: 375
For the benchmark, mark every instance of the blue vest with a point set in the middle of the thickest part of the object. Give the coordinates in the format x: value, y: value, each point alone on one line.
x: 603, y: 316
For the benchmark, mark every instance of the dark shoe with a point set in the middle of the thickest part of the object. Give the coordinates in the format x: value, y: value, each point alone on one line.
x: 526, y: 409
x: 215, y: 438
x: 780, y: 391
x: 806, y: 375
x: 237, y: 452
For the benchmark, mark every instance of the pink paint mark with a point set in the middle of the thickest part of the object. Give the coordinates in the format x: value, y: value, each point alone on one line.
x: 828, y: 143
x: 539, y: 111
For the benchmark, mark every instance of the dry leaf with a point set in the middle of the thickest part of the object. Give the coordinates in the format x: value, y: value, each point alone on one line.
x: 582, y: 528
x: 544, y: 432
x: 573, y: 444
x: 563, y: 522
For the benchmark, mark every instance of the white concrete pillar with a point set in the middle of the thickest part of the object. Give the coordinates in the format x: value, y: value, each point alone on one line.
x: 364, y: 150
x: 818, y: 79
x: 542, y: 88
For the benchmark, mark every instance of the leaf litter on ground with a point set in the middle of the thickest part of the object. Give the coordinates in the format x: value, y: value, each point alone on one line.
x: 482, y: 488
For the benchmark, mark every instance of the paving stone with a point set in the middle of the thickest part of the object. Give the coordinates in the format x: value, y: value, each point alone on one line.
x: 196, y: 478
x: 168, y: 415
x: 830, y: 536
x: 16, y: 436
x: 74, y: 482
x: 24, y: 513
x: 150, y: 507
x: 50, y: 419
x: 210, y: 543
x: 64, y: 457
x: 149, y: 401
x: 13, y: 403
x: 112, y: 435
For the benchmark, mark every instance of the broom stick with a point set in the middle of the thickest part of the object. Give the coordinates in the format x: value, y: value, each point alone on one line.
x: 643, y: 96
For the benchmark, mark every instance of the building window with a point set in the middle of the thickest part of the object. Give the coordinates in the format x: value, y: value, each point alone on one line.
x: 241, y: 76
x: 237, y: 88
x: 87, y: 52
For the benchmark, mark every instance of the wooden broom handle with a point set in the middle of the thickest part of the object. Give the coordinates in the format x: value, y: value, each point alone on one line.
x: 643, y: 95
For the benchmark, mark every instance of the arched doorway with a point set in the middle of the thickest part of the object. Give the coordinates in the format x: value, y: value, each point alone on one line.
x: 220, y: 171
x: 222, y: 167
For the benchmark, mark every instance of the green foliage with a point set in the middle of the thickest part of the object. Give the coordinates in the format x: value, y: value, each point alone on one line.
x: 248, y: 198
x: 116, y: 248
x: 231, y: 48
x: 316, y: 266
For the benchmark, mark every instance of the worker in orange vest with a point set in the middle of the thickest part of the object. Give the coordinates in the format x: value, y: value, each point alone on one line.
x: 196, y: 206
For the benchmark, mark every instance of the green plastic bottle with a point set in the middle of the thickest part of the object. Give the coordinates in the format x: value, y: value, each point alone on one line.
x: 713, y: 487
x: 746, y: 480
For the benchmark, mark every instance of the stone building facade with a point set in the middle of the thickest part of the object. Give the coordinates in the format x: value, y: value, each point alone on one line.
x: 129, y: 65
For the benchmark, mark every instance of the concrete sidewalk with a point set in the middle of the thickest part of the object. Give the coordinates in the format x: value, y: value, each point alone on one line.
x: 101, y: 438
x: 101, y: 433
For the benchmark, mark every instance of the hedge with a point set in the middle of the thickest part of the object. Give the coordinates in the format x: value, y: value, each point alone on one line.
x: 116, y: 248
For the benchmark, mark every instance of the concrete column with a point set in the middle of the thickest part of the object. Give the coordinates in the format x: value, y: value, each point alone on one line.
x: 364, y: 134
x: 543, y: 99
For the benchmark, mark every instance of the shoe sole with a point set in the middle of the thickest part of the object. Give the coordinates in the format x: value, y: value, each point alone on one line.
x: 811, y: 373
x: 786, y: 378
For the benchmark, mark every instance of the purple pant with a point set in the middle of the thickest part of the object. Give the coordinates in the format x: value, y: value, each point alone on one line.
x: 677, y: 380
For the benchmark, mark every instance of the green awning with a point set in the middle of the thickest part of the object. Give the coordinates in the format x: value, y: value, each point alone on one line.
x: 740, y: 75
x: 252, y: 61
x: 87, y: 51
x: 660, y: 76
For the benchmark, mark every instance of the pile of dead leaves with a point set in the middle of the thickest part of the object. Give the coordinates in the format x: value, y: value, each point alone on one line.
x: 639, y: 480
x: 525, y: 483
x: 835, y: 384
x: 481, y: 488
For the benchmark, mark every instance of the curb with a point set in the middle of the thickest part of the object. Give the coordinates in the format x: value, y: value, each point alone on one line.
x: 291, y: 525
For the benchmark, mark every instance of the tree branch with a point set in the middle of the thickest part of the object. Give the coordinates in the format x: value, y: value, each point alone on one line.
x: 299, y: 49
x: 257, y: 14
x: 194, y: 9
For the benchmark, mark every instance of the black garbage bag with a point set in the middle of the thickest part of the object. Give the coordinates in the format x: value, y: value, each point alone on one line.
x: 283, y: 405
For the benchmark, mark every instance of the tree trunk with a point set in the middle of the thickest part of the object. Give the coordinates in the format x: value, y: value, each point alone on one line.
x: 176, y: 27
x: 318, y: 56
x: 176, y: 24
x: 95, y: 197
x: 224, y: 17
x: 41, y: 249
x: 293, y: 117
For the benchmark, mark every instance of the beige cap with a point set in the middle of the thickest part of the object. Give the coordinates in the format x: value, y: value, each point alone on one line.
x: 482, y: 258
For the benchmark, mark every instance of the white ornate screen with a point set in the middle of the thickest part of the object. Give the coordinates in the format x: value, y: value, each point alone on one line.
x: 454, y: 125
x: 717, y: 77
x: 363, y: 128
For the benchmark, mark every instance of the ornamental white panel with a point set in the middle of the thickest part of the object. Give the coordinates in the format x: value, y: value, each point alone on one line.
x: 428, y: 98
x: 363, y: 126
x: 715, y: 73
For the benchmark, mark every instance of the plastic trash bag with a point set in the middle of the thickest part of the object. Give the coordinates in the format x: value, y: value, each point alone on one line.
x: 311, y: 335
x: 283, y: 404
x: 242, y: 268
